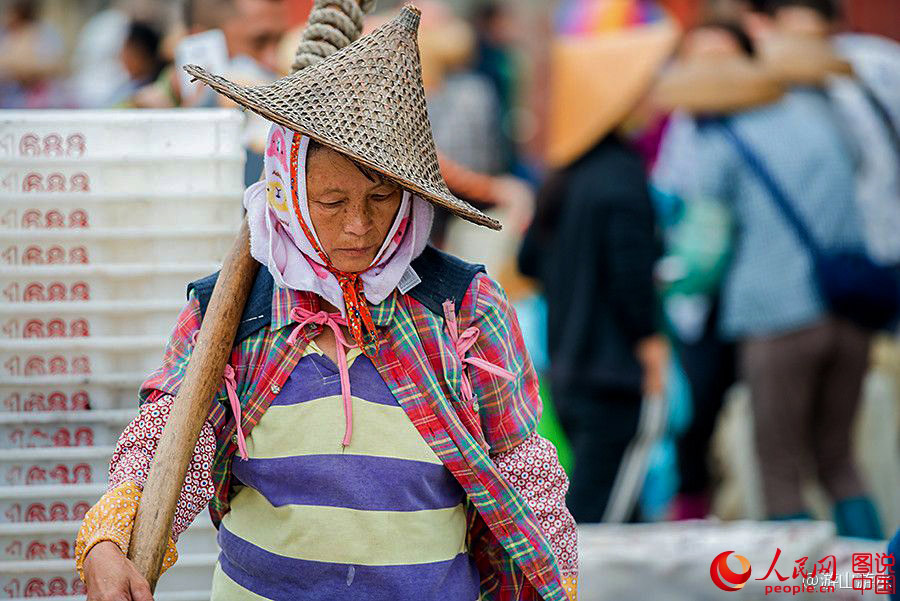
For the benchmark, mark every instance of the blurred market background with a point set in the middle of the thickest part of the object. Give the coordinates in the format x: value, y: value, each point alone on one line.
x: 701, y: 394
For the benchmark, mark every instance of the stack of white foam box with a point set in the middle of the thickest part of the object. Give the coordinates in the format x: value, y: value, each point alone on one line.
x: 104, y: 218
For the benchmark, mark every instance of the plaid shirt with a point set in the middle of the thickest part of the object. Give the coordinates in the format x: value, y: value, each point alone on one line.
x: 419, y: 363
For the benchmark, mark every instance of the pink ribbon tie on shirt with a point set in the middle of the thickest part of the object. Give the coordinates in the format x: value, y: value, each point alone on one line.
x: 462, y: 343
x: 231, y: 389
x: 333, y: 321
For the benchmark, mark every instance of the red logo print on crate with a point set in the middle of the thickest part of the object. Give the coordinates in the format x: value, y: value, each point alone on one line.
x: 54, y: 328
x: 13, y: 513
x: 59, y: 512
x: 55, y: 401
x: 80, y: 473
x: 36, y: 512
x: 36, y: 549
x: 56, y: 182
x: 62, y: 437
x: 52, y: 219
x: 38, y: 587
x: 56, y: 365
x: 61, y: 549
x: 80, y: 509
x: 30, y: 145
x: 35, y: 292
x: 53, y: 255
x: 36, y: 475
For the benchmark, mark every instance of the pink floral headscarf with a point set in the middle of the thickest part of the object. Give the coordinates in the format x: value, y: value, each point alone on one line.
x: 278, y: 240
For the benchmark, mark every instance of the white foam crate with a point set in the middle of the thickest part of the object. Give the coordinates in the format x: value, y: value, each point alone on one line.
x: 116, y: 134
x: 170, y: 175
x: 90, y: 318
x: 34, y: 541
x: 60, y: 356
x: 62, y: 429
x: 78, y: 211
x: 50, y: 502
x: 70, y: 392
x: 74, y: 465
x: 57, y: 577
x: 76, y: 283
x: 113, y: 246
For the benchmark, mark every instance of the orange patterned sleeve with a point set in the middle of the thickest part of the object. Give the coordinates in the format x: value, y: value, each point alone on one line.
x: 111, y: 519
x: 570, y: 583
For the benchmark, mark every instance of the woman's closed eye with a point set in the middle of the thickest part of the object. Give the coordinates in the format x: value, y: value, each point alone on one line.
x: 330, y: 203
x: 383, y: 194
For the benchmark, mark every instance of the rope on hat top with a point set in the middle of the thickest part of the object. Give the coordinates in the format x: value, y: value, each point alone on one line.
x: 333, y: 24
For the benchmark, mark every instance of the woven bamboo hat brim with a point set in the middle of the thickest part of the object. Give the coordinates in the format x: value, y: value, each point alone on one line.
x: 798, y: 59
x: 719, y: 85
x: 365, y: 101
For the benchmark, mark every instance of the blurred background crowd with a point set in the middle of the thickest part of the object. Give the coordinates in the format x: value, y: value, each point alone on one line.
x: 672, y: 178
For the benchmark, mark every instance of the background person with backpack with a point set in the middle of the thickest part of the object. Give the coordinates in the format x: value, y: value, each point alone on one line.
x: 803, y: 363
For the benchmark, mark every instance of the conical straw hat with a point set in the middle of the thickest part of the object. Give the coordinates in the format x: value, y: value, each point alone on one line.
x: 365, y: 101
x: 603, y: 60
x: 716, y: 84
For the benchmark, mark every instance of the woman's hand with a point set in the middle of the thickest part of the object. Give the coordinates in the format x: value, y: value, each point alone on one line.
x: 653, y: 355
x: 110, y: 576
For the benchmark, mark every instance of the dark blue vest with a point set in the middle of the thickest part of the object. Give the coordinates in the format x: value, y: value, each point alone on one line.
x: 443, y: 277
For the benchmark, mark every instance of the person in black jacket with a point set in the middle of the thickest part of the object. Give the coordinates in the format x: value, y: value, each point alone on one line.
x: 593, y: 246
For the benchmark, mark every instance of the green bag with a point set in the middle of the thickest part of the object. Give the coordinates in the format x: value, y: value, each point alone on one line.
x: 698, y: 235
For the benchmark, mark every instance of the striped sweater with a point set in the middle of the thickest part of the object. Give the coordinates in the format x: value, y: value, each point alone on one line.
x: 379, y: 519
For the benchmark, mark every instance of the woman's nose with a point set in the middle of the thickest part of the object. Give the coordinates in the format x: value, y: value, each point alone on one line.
x: 359, y: 219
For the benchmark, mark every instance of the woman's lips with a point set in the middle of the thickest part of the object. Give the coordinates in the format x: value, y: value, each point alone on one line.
x: 357, y: 252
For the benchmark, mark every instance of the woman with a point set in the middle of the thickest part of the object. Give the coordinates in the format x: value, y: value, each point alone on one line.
x: 803, y: 364
x: 715, y: 74
x: 593, y: 245
x: 378, y: 395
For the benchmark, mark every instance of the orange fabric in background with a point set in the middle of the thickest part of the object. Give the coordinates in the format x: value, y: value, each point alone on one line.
x: 298, y: 11
x: 686, y: 11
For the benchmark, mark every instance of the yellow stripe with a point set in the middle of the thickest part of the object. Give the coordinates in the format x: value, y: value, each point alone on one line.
x: 226, y: 589
x: 317, y: 427
x: 339, y: 535
x: 313, y: 349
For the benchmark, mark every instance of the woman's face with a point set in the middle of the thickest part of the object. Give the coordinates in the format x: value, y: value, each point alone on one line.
x: 351, y: 211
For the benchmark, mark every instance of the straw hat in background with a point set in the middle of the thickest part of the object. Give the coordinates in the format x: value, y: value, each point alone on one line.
x: 799, y: 59
x: 446, y: 43
x: 604, y: 60
x: 365, y: 101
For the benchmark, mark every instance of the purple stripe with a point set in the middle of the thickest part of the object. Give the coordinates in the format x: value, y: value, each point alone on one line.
x: 316, y: 376
x: 286, y: 579
x: 351, y: 481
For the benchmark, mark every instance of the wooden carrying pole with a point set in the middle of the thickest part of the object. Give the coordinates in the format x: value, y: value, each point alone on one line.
x: 203, y: 377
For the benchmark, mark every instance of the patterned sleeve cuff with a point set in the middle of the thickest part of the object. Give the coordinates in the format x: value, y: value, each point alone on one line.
x: 134, y: 452
x: 570, y: 583
x: 533, y: 469
x: 111, y: 519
